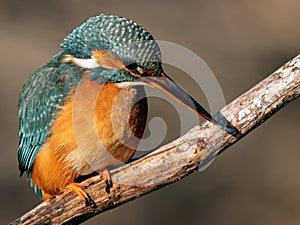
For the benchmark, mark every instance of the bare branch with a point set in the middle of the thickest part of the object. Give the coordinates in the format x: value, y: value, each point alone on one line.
x: 189, y: 153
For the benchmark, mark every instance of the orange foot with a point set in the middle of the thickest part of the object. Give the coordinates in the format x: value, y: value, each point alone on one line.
x: 78, y: 189
x: 107, y: 179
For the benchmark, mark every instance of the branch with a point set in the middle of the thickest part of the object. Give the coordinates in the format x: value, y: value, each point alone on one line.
x: 189, y: 153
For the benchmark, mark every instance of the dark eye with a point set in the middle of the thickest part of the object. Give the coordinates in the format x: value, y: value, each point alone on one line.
x: 131, y: 65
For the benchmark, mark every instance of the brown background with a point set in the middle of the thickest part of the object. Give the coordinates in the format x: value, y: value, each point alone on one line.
x: 255, y: 182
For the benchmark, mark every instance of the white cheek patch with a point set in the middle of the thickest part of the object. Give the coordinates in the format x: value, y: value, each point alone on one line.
x: 106, y: 60
x: 84, y: 63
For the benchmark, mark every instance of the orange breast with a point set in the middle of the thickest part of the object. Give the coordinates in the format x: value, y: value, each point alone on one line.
x: 98, y: 126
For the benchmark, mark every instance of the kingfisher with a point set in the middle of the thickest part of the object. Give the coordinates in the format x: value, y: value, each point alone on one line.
x: 85, y: 109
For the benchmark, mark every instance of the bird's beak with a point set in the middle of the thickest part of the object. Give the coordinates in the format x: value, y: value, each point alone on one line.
x: 168, y: 86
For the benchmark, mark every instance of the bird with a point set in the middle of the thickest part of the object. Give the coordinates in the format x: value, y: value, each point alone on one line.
x: 86, y: 109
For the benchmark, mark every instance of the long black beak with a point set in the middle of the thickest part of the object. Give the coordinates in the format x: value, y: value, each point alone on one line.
x: 168, y: 86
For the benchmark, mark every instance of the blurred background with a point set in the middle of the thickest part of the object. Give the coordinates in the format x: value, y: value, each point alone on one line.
x: 256, y: 181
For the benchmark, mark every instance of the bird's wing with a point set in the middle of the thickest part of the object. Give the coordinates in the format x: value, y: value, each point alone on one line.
x: 39, y: 102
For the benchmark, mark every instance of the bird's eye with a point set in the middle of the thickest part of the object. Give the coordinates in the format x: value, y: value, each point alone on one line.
x: 131, y: 66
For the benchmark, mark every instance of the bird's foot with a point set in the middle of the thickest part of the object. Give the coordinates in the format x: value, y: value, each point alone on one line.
x: 105, y: 174
x: 78, y: 189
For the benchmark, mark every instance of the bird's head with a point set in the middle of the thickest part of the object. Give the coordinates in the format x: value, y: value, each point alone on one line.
x: 119, y: 50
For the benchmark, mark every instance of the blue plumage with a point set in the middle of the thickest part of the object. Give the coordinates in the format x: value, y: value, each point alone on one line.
x: 38, y: 105
x: 124, y: 38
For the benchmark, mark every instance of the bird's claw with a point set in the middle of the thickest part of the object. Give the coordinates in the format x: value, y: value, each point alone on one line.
x: 107, y: 179
x: 108, y: 186
x: 90, y: 202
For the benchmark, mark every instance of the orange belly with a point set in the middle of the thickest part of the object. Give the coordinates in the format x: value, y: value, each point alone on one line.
x: 99, y: 125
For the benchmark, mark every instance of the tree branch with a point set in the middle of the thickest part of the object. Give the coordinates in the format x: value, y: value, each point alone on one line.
x: 189, y: 153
